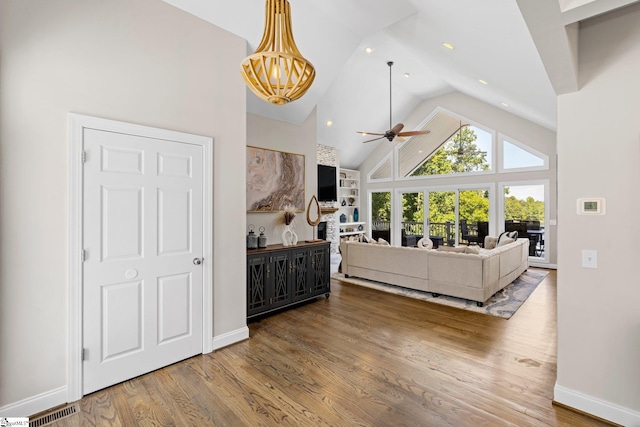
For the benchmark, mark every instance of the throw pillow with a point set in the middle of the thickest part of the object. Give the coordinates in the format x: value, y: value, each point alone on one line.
x: 490, y: 242
x: 364, y: 238
x: 383, y: 242
x: 425, y: 243
x: 505, y: 241
x: 459, y: 249
x: 472, y: 250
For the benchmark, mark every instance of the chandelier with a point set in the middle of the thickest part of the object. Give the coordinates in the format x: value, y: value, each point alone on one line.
x: 277, y: 72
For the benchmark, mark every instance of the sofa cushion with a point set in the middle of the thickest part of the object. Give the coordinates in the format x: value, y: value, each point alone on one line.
x: 490, y: 242
x: 505, y: 241
x: 472, y: 250
x: 459, y: 249
x: 381, y: 241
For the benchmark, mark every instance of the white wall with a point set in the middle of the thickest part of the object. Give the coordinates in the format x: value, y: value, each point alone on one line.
x: 139, y: 61
x: 281, y: 136
x: 599, y: 156
x: 501, y: 121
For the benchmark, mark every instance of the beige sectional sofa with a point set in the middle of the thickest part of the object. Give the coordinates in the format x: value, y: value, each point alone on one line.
x: 473, y: 276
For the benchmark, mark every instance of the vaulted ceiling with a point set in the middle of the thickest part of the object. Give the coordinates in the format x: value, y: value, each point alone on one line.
x: 524, y: 50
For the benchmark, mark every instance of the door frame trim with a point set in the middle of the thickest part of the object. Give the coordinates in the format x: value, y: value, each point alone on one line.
x: 76, y: 125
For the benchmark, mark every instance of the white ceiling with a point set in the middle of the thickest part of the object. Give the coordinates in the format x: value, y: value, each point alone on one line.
x: 524, y: 49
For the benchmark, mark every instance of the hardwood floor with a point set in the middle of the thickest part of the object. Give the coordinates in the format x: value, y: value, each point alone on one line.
x: 359, y: 358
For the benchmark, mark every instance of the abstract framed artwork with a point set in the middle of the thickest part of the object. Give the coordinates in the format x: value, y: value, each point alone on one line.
x: 275, y: 179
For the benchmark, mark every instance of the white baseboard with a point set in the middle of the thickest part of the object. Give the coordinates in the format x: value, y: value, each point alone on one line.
x: 229, y: 338
x: 47, y: 400
x: 600, y: 408
x: 35, y: 404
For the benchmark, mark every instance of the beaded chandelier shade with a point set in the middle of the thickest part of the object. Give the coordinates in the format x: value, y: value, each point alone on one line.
x: 277, y: 72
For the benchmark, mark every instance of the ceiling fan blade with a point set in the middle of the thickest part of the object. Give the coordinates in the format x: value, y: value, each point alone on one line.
x: 371, y: 140
x: 369, y: 133
x: 414, y: 133
x: 396, y: 129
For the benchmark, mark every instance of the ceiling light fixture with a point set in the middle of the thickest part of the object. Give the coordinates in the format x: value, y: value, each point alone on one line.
x: 368, y: 49
x: 329, y: 123
x: 277, y: 72
x: 448, y: 45
x: 407, y: 75
x: 483, y: 82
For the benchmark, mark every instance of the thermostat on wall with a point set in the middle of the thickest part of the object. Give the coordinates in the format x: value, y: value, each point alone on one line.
x: 591, y: 206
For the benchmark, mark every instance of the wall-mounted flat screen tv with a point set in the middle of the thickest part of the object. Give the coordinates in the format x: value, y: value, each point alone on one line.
x: 327, y: 186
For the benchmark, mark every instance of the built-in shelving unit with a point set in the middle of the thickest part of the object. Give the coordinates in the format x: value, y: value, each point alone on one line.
x: 349, y: 204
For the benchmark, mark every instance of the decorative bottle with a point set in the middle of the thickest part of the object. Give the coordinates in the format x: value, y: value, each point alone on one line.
x: 252, y: 239
x: 262, y: 239
x: 355, y: 214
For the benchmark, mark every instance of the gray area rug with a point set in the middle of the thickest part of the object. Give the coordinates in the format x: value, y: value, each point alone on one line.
x: 503, y: 303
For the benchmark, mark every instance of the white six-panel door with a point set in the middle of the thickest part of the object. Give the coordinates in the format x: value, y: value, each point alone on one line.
x: 143, y: 245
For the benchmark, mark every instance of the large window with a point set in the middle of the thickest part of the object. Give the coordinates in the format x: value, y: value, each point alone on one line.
x: 448, y: 217
x: 468, y: 150
x: 519, y: 157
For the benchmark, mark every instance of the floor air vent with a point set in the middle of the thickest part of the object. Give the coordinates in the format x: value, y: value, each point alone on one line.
x: 54, y: 416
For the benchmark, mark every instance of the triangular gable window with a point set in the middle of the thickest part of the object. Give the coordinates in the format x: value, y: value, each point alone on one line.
x: 461, y: 148
x: 518, y: 156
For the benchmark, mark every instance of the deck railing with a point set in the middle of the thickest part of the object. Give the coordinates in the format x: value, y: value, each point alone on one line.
x: 446, y: 230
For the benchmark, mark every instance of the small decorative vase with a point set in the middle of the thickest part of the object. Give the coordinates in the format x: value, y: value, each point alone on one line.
x: 289, y: 237
x: 262, y: 239
x: 355, y: 214
x: 252, y: 239
x: 343, y: 218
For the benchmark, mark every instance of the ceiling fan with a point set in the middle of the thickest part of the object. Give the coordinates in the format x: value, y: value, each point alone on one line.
x: 395, y: 131
x: 461, y: 151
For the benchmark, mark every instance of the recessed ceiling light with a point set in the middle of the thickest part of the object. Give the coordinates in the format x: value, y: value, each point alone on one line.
x: 483, y: 82
x: 368, y: 49
x: 504, y: 104
x: 419, y: 151
x: 407, y: 75
x: 364, y: 134
x: 329, y: 123
x: 448, y: 45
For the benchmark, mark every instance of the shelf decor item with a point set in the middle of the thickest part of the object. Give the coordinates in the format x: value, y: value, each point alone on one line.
x: 343, y: 218
x: 277, y: 72
x: 289, y: 237
x: 355, y: 214
x: 252, y: 239
x: 314, y: 223
x: 262, y: 239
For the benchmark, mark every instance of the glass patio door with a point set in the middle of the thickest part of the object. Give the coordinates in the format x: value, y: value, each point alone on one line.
x: 412, y: 225
x: 380, y: 209
x: 473, y: 216
x: 442, y: 217
x: 524, y: 212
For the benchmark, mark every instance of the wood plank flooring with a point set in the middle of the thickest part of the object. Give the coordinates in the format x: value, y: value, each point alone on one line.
x: 359, y: 358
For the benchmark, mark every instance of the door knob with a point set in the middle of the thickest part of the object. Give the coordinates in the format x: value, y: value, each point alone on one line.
x: 197, y: 261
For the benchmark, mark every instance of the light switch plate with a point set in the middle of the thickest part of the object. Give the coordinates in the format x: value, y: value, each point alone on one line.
x: 589, y: 258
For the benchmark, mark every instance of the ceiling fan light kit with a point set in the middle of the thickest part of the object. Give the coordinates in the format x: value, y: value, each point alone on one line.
x: 395, y: 131
x: 277, y: 72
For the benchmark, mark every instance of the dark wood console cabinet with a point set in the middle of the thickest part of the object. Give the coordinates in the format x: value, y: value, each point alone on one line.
x: 278, y: 276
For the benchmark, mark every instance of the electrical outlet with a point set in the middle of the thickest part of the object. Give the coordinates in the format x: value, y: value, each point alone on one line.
x: 589, y: 258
